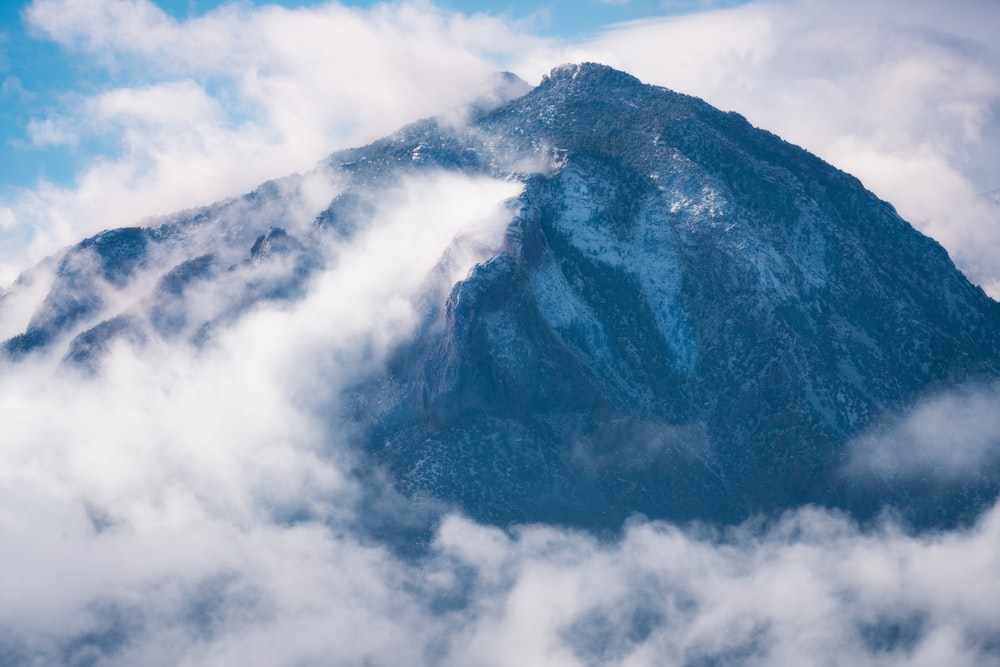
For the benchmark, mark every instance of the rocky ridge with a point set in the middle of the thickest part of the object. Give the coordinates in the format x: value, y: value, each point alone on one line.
x: 688, y: 317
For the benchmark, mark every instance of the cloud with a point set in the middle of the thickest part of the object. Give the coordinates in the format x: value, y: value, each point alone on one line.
x: 951, y: 436
x: 13, y: 89
x: 51, y: 132
x: 203, y: 506
x: 810, y: 585
x: 204, y: 108
x: 175, y: 582
x: 186, y: 496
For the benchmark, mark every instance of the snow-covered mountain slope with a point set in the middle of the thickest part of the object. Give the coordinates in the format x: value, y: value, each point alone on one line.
x: 690, y: 319
x: 685, y: 317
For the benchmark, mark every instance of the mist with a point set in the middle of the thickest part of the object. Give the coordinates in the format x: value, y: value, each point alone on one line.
x: 203, y: 505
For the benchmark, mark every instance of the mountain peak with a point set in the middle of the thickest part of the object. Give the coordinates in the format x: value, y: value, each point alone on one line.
x: 591, y: 80
x: 688, y: 317
x: 589, y: 72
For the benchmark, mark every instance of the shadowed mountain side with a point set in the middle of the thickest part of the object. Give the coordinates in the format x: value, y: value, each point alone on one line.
x: 690, y: 319
x: 687, y: 316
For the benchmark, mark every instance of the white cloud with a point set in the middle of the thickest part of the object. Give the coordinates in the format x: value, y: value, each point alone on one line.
x: 199, y: 507
x: 13, y: 89
x: 51, y: 132
x: 211, y: 106
x: 195, y: 588
x: 953, y: 435
x: 179, y: 479
x: 812, y: 585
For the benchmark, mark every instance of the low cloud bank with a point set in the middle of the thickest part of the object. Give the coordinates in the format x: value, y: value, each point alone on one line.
x: 175, y: 583
x: 202, y: 507
x: 951, y: 436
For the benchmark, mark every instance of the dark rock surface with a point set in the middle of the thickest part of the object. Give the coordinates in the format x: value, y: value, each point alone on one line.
x: 690, y: 319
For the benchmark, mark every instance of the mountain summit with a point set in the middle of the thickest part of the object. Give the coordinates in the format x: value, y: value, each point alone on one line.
x: 687, y: 316
x: 690, y: 318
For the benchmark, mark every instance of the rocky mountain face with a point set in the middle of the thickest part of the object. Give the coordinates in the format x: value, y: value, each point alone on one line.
x: 687, y: 317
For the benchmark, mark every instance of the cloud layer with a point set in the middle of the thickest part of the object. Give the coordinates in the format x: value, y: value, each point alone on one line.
x: 202, y: 506
x: 209, y: 520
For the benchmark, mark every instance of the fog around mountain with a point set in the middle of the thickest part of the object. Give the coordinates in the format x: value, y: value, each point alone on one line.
x: 200, y: 508
x: 193, y: 496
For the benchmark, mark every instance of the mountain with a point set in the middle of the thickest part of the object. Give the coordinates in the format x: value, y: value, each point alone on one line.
x: 687, y: 316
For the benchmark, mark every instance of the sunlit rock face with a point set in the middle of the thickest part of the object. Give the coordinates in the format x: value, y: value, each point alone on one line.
x: 686, y: 317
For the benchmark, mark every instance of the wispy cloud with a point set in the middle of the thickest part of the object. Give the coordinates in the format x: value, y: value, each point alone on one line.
x: 951, y: 436
x: 211, y: 106
x: 186, y: 496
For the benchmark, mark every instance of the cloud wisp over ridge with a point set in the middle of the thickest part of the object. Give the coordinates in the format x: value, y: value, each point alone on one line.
x: 204, y: 108
x: 161, y: 466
